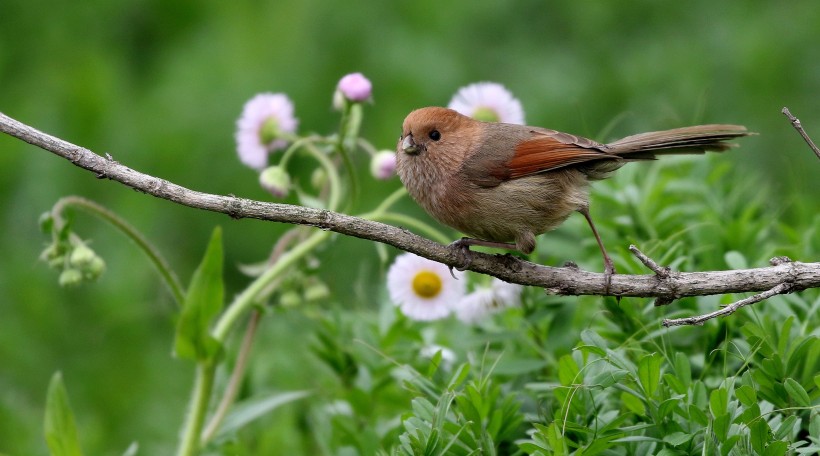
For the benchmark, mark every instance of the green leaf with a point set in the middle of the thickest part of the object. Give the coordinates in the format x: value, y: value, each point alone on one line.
x: 567, y: 370
x: 814, y: 426
x: 203, y: 301
x: 727, y: 445
x: 797, y: 393
x: 759, y: 435
x: 515, y: 367
x: 423, y: 408
x: 632, y: 403
x: 636, y: 438
x: 59, y: 427
x: 677, y: 438
x: 718, y: 401
x: 777, y: 448
x: 590, y: 337
x: 735, y: 260
x: 674, y: 383
x: 746, y: 395
x: 721, y: 426
x: 699, y: 394
x: 669, y: 406
x: 556, y: 440
x: 784, y: 431
x: 683, y: 369
x: 250, y: 410
x: 459, y: 376
x: 607, y: 377
x: 784, y: 337
x: 697, y: 415
x: 751, y: 414
x: 649, y: 373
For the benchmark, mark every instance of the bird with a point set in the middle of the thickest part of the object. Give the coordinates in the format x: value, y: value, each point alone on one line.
x: 503, y: 184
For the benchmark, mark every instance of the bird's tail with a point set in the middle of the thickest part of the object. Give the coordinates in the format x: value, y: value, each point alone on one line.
x: 686, y: 140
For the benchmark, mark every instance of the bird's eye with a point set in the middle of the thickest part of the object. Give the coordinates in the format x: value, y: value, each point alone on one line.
x: 435, y: 135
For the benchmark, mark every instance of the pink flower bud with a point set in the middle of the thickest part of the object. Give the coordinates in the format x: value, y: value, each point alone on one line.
x: 355, y: 87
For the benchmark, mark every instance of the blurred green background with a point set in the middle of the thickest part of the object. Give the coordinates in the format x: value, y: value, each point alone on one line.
x: 159, y: 85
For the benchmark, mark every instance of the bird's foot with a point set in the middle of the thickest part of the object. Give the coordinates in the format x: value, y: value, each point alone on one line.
x: 609, y: 271
x: 461, y: 249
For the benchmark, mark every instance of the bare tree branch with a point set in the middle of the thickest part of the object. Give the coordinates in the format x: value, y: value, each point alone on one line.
x: 664, y: 284
x: 730, y: 309
x: 799, y: 127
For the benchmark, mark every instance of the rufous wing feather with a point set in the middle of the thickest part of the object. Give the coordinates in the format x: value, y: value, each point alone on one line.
x: 547, y: 151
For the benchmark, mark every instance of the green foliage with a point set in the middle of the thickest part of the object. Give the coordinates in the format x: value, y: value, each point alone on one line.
x: 60, y: 428
x: 471, y: 418
x: 675, y: 415
x: 202, y: 304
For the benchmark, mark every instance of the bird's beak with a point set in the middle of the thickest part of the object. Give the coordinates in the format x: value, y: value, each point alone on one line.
x: 409, y: 146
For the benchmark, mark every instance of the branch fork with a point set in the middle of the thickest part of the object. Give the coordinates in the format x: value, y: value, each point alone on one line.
x: 664, y: 274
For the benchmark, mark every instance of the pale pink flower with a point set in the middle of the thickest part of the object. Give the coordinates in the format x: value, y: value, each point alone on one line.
x: 264, y: 119
x: 355, y: 87
x: 383, y: 165
x: 488, y: 101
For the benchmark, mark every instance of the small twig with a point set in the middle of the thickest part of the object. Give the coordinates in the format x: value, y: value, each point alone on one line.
x: 660, y: 271
x: 731, y: 308
x: 229, y: 396
x: 799, y: 127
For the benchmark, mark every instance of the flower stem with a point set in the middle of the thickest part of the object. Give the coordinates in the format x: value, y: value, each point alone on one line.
x: 165, y: 271
x: 229, y: 396
x: 366, y: 146
x: 382, y: 213
x: 332, y: 174
x: 390, y: 200
x: 190, y: 440
x: 405, y: 220
x: 296, y: 144
x: 247, y: 298
x: 348, y: 132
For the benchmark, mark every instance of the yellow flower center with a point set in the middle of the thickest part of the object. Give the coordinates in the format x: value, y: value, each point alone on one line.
x: 427, y: 284
x: 485, y: 114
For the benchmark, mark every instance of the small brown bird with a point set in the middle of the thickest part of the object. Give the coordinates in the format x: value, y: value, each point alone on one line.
x: 503, y: 184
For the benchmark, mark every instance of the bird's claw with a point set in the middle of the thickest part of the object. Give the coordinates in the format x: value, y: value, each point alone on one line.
x: 609, y: 271
x: 465, y: 255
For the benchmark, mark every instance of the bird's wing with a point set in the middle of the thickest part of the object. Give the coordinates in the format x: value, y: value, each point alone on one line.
x: 547, y: 150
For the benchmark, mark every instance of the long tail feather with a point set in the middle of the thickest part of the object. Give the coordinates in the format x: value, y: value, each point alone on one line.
x: 686, y: 140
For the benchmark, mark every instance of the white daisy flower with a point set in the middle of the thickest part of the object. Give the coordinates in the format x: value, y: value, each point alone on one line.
x: 488, y: 101
x: 506, y: 294
x: 475, y: 305
x: 423, y: 289
x: 485, y: 301
x: 258, y: 131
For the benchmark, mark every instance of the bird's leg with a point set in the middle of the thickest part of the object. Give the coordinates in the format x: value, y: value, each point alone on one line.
x: 609, y: 266
x: 462, y: 246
